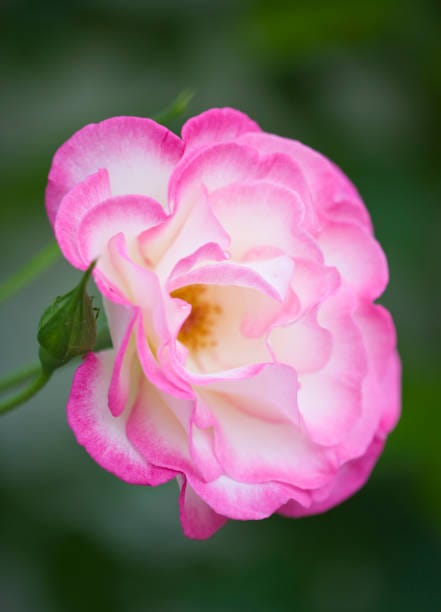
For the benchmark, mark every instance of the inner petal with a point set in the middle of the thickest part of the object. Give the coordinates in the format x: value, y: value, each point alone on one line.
x: 220, y: 331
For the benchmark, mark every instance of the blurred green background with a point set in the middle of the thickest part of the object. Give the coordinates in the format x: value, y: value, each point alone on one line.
x: 359, y: 81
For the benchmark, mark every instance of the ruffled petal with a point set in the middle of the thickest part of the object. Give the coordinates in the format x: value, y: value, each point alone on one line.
x: 72, y: 210
x: 216, y: 125
x: 246, y: 501
x: 138, y: 154
x: 328, y: 185
x: 125, y: 375
x: 103, y: 435
x: 129, y: 215
x: 158, y: 427
x: 330, y: 400
x: 257, y: 439
x: 351, y: 477
x: 213, y: 167
x: 185, y: 233
x: 357, y: 256
x: 198, y: 520
x: 304, y: 345
x: 381, y: 386
x: 258, y: 217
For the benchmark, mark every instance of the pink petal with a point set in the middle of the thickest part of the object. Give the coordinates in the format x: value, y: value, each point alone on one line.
x: 125, y: 374
x: 257, y: 215
x: 254, y: 441
x: 304, y: 344
x: 245, y: 501
x: 327, y: 183
x: 357, y: 256
x: 103, y: 435
x: 330, y: 399
x: 72, y: 210
x: 213, y: 167
x: 248, y: 394
x: 216, y: 125
x: 381, y: 388
x: 272, y: 277
x: 127, y: 214
x: 282, y: 169
x: 199, y: 521
x: 158, y: 428
x: 391, y: 389
x: 138, y: 154
x: 313, y: 282
x: 185, y: 232
x: 351, y: 477
x: 155, y: 371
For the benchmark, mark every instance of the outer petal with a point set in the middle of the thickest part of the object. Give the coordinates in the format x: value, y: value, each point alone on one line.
x: 244, y: 501
x: 381, y: 387
x: 216, y: 125
x: 330, y: 400
x: 73, y: 208
x: 357, y: 256
x: 158, y: 428
x: 139, y: 155
x: 327, y: 183
x: 351, y: 477
x: 104, y: 436
x: 199, y: 521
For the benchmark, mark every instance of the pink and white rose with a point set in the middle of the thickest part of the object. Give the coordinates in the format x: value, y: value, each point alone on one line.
x: 238, y: 271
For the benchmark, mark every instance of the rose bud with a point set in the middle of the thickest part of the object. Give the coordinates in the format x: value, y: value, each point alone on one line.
x: 67, y: 328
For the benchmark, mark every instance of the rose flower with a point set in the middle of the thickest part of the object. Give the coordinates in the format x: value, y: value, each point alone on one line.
x: 238, y: 271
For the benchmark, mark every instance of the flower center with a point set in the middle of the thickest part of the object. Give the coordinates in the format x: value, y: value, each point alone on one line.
x: 197, y: 331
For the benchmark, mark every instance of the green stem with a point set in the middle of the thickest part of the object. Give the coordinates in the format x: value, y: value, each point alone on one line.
x: 19, y: 377
x: 28, y: 392
x: 42, y: 260
x: 176, y: 109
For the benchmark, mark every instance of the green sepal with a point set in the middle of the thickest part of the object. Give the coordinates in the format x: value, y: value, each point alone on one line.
x: 67, y: 328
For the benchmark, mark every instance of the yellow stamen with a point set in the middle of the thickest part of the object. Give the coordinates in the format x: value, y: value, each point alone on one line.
x: 197, y: 331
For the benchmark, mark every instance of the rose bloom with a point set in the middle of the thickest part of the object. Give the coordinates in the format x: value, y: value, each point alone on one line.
x: 238, y: 271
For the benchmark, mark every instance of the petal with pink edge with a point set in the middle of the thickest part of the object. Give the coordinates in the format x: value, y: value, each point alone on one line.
x: 330, y: 400
x: 357, y: 256
x: 351, y: 477
x: 139, y: 155
x: 198, y: 520
x: 328, y: 185
x: 254, y: 440
x: 245, y: 501
x: 213, y: 167
x: 257, y: 215
x: 125, y: 374
x: 129, y: 215
x: 158, y: 428
x: 216, y: 125
x: 103, y: 435
x: 185, y: 232
x: 72, y: 210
